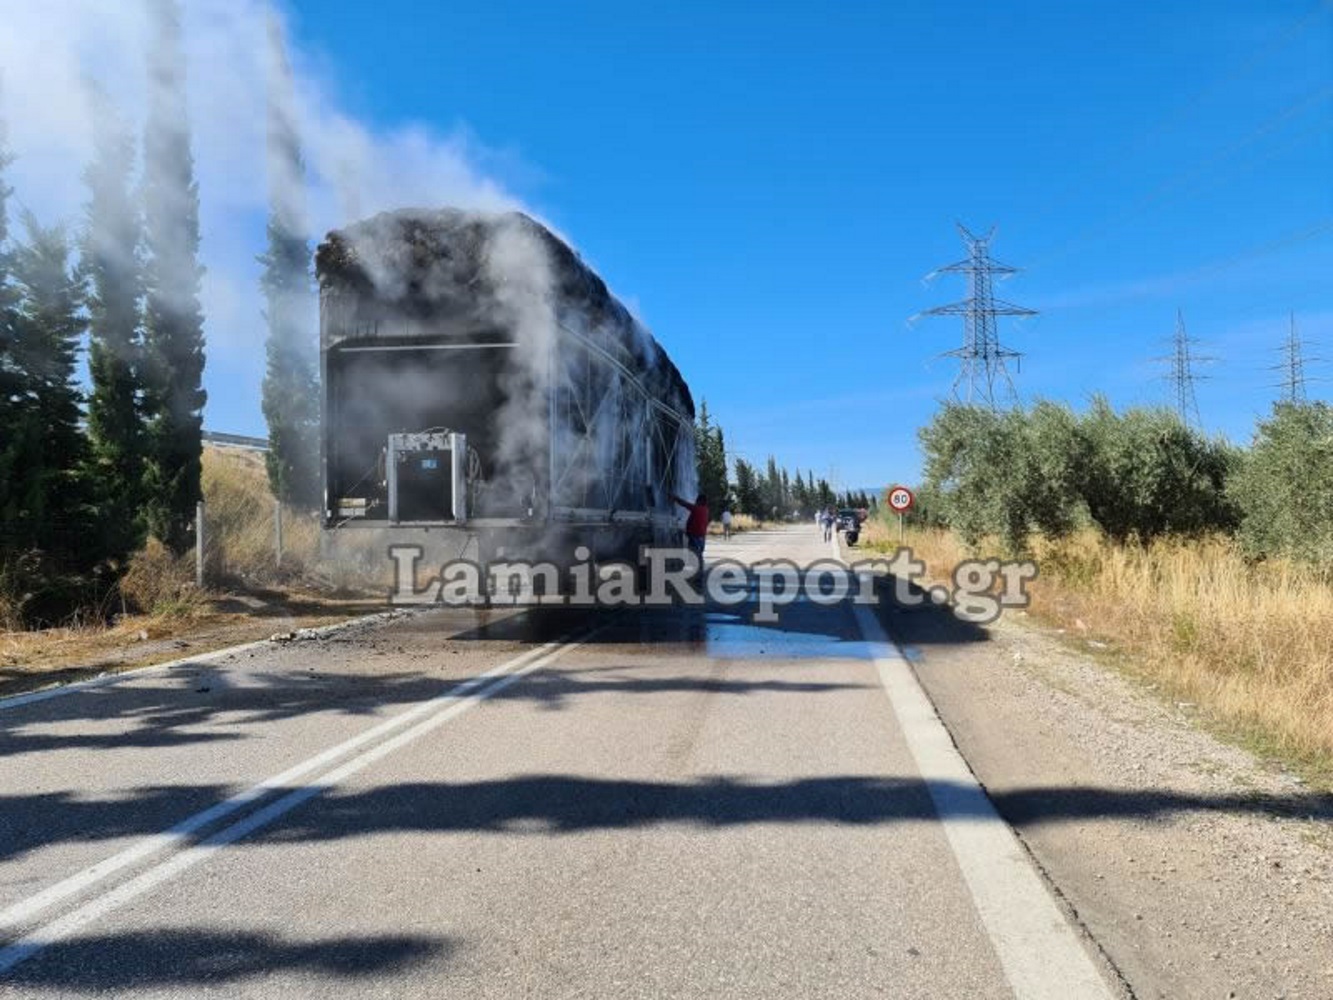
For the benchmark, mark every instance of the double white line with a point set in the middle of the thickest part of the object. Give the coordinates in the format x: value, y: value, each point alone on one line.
x: 364, y: 750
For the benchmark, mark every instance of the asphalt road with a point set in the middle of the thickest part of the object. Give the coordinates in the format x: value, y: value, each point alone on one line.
x: 458, y: 803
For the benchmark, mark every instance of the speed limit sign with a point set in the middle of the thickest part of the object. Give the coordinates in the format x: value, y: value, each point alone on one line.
x: 901, y: 499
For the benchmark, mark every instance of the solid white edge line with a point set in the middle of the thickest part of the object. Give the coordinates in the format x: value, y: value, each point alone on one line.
x: 180, y: 832
x: 130, y: 673
x: 1038, y: 950
x: 61, y: 928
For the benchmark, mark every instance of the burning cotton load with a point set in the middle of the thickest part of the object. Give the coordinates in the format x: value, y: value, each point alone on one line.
x: 488, y: 325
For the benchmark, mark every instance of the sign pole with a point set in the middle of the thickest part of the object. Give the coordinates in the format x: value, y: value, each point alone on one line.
x: 277, y: 530
x: 199, y: 544
x: 900, y: 527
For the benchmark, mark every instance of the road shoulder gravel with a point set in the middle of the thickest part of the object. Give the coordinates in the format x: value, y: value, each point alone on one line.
x: 1199, y: 871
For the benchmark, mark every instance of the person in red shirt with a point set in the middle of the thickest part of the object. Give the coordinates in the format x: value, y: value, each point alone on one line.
x: 696, y: 526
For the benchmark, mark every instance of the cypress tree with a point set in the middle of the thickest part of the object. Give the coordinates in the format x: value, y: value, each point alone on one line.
x: 51, y: 510
x: 718, y: 474
x: 710, y: 453
x: 111, y: 264
x: 800, y: 495
x: 772, y: 489
x: 173, y: 319
x: 747, y: 489
x: 825, y: 494
x: 291, y: 381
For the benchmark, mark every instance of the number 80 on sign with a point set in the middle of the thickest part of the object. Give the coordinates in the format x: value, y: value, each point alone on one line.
x: 901, y: 499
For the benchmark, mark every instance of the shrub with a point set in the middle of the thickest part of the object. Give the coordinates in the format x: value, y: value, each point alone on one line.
x: 1147, y: 474
x: 159, y: 582
x: 1136, y: 476
x: 1004, y: 474
x: 1284, y: 488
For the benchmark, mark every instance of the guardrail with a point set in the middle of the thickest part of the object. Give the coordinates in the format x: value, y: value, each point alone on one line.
x: 236, y: 440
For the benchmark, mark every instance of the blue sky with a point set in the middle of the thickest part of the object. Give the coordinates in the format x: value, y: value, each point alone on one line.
x: 767, y: 185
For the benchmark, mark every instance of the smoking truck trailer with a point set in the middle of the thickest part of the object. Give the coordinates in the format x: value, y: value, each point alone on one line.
x: 485, y: 396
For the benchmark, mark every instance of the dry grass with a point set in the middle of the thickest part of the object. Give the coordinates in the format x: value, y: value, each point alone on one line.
x: 33, y: 659
x: 161, y: 584
x: 161, y: 611
x: 939, y: 550
x: 1251, y: 645
x: 240, y: 519
x: 239, y: 542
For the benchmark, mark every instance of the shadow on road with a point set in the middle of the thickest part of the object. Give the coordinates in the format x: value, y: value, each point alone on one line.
x: 565, y: 804
x: 197, y: 957
x: 179, y: 706
x: 31, y: 821
x: 922, y: 623
x: 570, y: 803
x: 1031, y: 806
x: 195, y: 704
x: 174, y: 714
x: 555, y: 689
x: 172, y: 709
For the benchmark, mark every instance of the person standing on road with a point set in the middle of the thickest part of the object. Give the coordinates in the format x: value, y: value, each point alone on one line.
x: 696, y: 527
x: 726, y: 524
x: 827, y: 520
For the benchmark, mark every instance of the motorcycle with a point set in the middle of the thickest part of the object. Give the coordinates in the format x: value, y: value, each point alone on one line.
x: 850, y: 526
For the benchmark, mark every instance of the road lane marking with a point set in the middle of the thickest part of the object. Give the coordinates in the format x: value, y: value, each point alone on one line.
x: 181, y: 832
x: 1038, y: 950
x: 63, y: 927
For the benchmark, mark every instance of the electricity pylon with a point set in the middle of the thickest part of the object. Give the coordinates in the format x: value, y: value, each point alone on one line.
x: 1293, y: 366
x: 1182, y: 375
x: 982, y: 356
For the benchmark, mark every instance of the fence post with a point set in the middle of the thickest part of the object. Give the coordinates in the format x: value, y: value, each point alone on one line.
x: 277, y: 530
x: 199, y: 544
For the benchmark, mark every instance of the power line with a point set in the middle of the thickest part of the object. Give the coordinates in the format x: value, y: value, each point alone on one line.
x: 1259, y: 250
x: 1202, y: 169
x: 982, y: 356
x: 1118, y: 154
x: 1149, y: 287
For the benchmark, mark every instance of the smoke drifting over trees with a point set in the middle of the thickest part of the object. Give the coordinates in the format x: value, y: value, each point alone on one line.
x: 11, y: 378
x: 110, y: 260
x: 173, y: 317
x: 291, y: 380
x: 54, y: 53
x: 110, y: 251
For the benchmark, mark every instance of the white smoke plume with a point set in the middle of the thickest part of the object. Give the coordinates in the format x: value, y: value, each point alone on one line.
x: 239, y: 59
x: 53, y: 52
x: 518, y: 266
